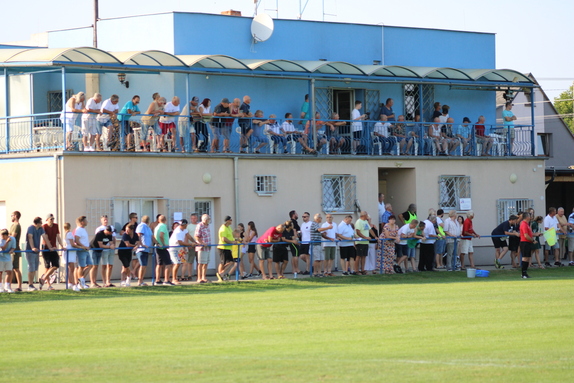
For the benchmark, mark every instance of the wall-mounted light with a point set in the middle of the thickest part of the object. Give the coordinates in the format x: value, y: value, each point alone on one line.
x: 122, y: 78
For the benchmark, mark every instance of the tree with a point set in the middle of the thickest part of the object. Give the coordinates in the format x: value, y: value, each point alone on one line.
x: 564, y: 104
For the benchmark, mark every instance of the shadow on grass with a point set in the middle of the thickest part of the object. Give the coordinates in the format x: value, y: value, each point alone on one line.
x: 293, y: 284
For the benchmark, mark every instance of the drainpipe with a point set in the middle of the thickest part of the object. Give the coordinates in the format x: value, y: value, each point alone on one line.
x: 236, y: 186
x: 312, y: 101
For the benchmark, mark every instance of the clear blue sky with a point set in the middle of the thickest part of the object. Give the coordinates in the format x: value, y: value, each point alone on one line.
x: 531, y: 36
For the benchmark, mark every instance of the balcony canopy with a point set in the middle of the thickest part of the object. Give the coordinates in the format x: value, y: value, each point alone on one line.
x: 87, y: 59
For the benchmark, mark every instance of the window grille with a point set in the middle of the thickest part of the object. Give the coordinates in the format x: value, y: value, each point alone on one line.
x: 451, y: 190
x: 412, y: 101
x: 95, y: 209
x: 506, y: 207
x: 265, y: 186
x: 55, y: 103
x: 339, y: 193
x: 203, y: 207
x: 372, y: 103
x: 324, y: 102
x: 183, y: 206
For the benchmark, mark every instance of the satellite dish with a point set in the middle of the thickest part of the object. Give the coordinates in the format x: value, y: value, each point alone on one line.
x: 261, y: 27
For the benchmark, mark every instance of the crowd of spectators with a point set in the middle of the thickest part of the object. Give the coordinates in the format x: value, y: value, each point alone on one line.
x: 166, y: 126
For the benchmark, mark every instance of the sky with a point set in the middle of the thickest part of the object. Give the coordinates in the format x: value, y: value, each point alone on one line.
x: 531, y: 36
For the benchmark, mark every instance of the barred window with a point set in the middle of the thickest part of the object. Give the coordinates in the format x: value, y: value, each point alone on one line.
x: 506, y: 207
x: 339, y: 193
x: 451, y: 190
x: 265, y: 186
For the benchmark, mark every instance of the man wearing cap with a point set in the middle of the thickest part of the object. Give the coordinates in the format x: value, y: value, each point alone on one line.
x: 462, y: 132
x: 508, y: 119
x: 245, y: 123
x: 226, y: 263
x: 221, y: 110
x: 106, y: 255
x: 51, y: 258
x: 34, y: 235
x: 104, y: 240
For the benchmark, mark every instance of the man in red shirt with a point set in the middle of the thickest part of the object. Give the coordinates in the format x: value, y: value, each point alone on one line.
x: 272, y: 235
x: 51, y: 257
x: 526, y: 241
x: 468, y: 234
x: 481, y: 137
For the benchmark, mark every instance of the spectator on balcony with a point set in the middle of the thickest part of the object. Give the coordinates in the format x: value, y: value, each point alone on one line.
x: 357, y: 125
x: 382, y: 134
x: 435, y: 134
x: 167, y: 122
x: 74, y: 107
x: 387, y: 110
x: 481, y: 137
x: 443, y: 117
x: 400, y: 134
x: 108, y: 119
x: 293, y: 135
x: 202, y: 128
x: 462, y: 132
x: 245, y: 124
x: 91, y: 129
x: 154, y: 110
x: 258, y: 137
x: 189, y: 118
x: 452, y: 141
x: 437, y: 110
x: 129, y: 110
x: 508, y: 118
x: 320, y: 128
x: 304, y: 116
x: 221, y: 110
x: 273, y: 129
x: 333, y: 133
x: 234, y: 112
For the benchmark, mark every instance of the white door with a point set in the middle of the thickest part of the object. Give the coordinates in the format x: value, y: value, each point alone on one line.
x: 3, y: 219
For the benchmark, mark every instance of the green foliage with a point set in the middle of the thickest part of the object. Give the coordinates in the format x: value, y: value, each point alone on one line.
x: 566, y: 107
x: 424, y: 327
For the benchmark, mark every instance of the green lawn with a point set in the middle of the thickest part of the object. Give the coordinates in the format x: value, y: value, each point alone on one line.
x: 426, y: 327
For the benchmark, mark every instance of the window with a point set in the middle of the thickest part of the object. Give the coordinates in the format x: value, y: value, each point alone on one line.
x: 265, y: 186
x: 543, y: 144
x: 451, y: 190
x: 506, y: 207
x: 339, y: 193
x: 55, y: 102
x: 203, y: 207
x: 412, y: 101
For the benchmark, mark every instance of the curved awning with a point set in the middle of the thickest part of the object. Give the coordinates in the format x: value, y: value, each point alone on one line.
x: 389, y: 71
x: 212, y: 61
x: 149, y: 58
x: 509, y: 75
x: 275, y: 65
x: 6, y: 54
x: 441, y: 73
x: 78, y: 55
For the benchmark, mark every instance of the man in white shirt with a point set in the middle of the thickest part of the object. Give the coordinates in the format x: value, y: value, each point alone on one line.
x: 187, y: 269
x: 273, y: 129
x: 427, y: 246
x: 405, y: 232
x: 91, y: 128
x: 108, y: 111
x: 179, y: 237
x: 382, y: 134
x: 107, y: 255
x: 305, y: 238
x: 292, y: 134
x: 167, y: 121
x: 452, y: 229
x: 329, y: 248
x: 346, y: 234
x: 357, y: 125
x: 550, y: 221
x: 82, y: 254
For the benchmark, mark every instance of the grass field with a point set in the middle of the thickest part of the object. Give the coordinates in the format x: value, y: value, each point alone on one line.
x: 425, y: 327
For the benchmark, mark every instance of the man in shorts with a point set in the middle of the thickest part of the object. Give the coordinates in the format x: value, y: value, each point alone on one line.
x: 129, y: 242
x: 264, y: 243
x: 499, y: 242
x: 468, y: 234
x: 551, y: 221
x: 34, y: 236
x: 245, y: 123
x: 146, y: 240
x: 203, y: 239
x: 91, y: 128
x: 225, y: 238
x: 187, y: 270
x: 15, y: 231
x: 107, y: 254
x: 526, y: 241
x: 316, y: 250
x: 179, y: 237
x: 161, y: 235
x: 362, y: 229
x: 134, y: 266
x: 83, y: 253
x: 329, y: 244
x: 346, y: 234
x: 51, y: 258
x: 7, y: 246
x: 305, y: 238
x: 104, y: 240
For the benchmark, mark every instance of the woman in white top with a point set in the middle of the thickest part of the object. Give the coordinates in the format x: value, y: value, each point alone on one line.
x: 74, y: 106
x: 435, y: 135
x: 202, y: 134
x: 70, y: 257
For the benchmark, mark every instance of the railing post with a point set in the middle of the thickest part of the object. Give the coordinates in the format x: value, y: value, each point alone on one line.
x: 64, y: 101
x: 532, y: 121
x: 6, y: 108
